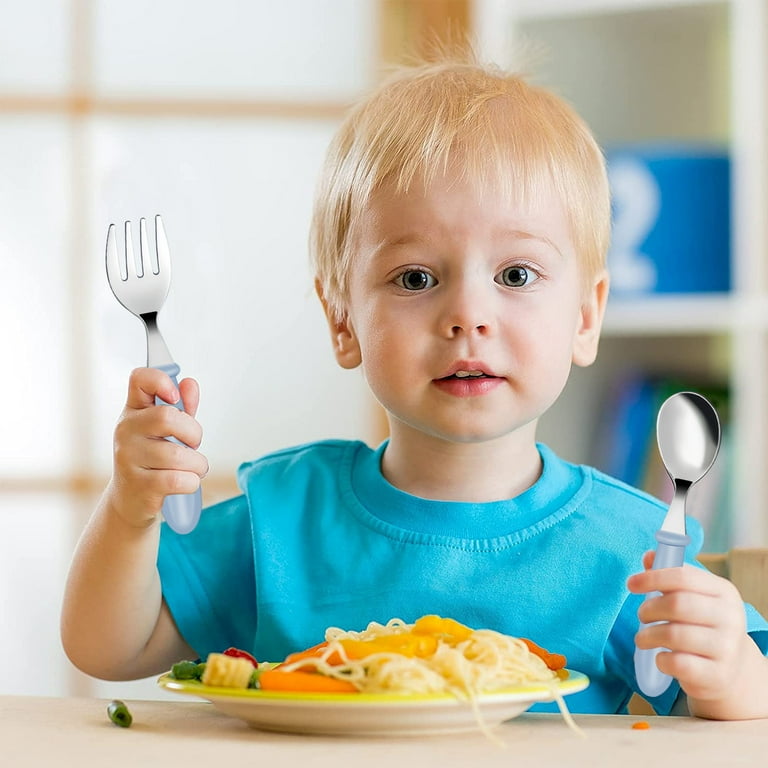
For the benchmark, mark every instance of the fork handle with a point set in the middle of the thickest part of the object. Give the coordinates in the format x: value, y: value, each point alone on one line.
x: 670, y: 553
x: 180, y: 510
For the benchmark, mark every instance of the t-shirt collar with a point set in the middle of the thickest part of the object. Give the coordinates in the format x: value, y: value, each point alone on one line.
x: 558, y: 483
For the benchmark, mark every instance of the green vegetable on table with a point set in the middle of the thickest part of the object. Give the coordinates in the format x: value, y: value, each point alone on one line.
x: 119, y: 714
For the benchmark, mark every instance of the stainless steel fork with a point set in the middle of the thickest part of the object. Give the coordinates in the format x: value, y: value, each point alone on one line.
x: 141, y: 287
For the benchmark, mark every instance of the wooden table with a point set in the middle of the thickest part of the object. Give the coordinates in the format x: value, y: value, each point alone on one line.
x: 50, y: 732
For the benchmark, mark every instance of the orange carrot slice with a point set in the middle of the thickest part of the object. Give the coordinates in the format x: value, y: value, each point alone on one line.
x: 554, y: 661
x: 315, y: 652
x: 302, y: 682
x: 309, y: 653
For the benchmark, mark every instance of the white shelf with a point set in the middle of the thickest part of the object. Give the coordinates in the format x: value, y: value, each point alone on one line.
x: 539, y: 9
x: 685, y: 314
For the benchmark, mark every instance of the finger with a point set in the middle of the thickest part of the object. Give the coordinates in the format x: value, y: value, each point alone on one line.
x: 145, y: 384
x: 165, y: 421
x: 167, y: 482
x: 690, y: 608
x: 647, y: 560
x: 687, y: 577
x: 146, y: 487
x: 190, y: 395
x: 157, y: 422
x: 166, y: 468
x: 699, y: 676
x: 166, y: 455
x: 682, y: 638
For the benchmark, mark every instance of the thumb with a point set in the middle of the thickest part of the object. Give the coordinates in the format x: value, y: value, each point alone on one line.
x: 145, y: 384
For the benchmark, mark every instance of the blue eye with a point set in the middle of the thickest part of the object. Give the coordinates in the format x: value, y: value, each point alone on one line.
x: 415, y: 280
x: 516, y: 277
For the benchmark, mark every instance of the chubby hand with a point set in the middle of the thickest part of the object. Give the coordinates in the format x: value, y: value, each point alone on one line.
x: 704, y: 630
x: 147, y: 467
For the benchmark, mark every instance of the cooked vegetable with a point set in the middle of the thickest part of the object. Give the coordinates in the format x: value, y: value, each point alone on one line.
x: 237, y: 653
x: 277, y: 680
x: 187, y: 670
x: 311, y: 653
x: 554, y: 661
x: 448, y: 630
x: 406, y: 644
x: 227, y: 671
x: 119, y: 714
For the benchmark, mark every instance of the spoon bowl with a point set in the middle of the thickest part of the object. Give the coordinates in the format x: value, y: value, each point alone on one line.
x: 688, y: 434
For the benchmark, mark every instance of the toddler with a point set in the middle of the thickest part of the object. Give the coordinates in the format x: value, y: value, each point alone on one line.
x: 459, y: 238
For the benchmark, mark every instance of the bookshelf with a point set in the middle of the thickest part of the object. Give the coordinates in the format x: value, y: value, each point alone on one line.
x: 668, y: 70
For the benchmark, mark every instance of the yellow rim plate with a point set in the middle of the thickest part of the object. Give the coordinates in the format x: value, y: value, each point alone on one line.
x: 574, y: 682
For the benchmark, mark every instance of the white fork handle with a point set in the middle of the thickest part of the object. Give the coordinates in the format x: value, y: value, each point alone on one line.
x: 181, y: 510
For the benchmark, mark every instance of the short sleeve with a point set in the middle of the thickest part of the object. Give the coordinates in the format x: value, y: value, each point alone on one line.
x: 757, y: 627
x: 208, y: 580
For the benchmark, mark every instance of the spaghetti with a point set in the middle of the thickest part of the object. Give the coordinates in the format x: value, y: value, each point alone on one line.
x: 466, y: 662
x: 433, y: 655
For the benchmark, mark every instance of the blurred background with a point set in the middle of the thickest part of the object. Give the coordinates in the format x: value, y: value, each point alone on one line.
x: 216, y: 115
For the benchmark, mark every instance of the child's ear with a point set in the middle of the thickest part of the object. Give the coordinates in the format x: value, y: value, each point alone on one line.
x: 343, y: 337
x: 590, y: 322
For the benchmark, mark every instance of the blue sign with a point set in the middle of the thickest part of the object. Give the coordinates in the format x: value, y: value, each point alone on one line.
x: 671, y: 219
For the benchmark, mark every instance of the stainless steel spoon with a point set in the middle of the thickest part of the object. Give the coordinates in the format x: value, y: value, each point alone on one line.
x: 688, y: 434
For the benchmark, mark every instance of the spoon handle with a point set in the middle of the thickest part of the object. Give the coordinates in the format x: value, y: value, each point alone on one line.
x: 670, y: 553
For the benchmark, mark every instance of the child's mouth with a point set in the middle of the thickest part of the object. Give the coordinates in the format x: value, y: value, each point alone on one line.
x: 468, y: 383
x: 469, y: 375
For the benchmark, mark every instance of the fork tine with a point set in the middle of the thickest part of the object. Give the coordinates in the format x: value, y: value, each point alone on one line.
x: 161, y: 243
x: 115, y: 271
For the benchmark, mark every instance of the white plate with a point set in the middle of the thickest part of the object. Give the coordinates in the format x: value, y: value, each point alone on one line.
x: 367, y: 714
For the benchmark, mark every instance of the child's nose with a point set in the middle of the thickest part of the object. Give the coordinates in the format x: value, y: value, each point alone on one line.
x: 467, y: 311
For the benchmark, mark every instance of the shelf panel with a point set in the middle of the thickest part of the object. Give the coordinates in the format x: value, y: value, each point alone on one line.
x: 540, y: 9
x: 676, y: 314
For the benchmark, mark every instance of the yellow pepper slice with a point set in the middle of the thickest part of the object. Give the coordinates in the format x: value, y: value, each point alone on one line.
x: 448, y: 630
x: 405, y: 644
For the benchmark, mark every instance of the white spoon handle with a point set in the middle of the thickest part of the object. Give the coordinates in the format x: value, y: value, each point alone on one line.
x: 670, y: 553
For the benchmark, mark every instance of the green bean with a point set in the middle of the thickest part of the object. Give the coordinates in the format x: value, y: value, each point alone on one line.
x: 185, y: 670
x: 119, y: 714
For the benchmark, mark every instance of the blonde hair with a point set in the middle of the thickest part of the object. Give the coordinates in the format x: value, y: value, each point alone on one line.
x: 495, y: 126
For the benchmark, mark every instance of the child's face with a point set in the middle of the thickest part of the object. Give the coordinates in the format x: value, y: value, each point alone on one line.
x: 445, y: 284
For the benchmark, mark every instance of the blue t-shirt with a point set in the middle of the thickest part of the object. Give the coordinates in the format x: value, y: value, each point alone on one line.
x: 319, y: 538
